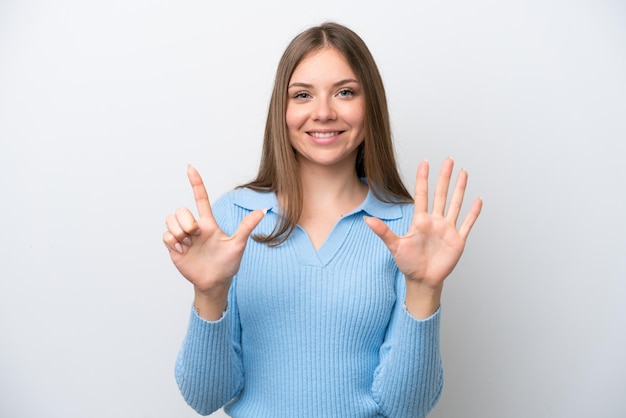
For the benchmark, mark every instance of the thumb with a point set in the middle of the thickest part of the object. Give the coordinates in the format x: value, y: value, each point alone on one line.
x: 382, y: 230
x: 249, y: 222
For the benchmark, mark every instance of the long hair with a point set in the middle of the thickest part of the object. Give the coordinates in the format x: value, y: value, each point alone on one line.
x: 375, y: 158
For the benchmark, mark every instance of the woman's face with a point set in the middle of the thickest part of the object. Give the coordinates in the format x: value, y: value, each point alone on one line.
x: 325, y: 110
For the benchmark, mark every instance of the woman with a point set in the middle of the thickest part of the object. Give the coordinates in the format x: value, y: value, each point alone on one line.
x: 317, y: 285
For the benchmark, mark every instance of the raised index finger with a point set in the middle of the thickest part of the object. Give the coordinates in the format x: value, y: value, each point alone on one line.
x: 199, y: 193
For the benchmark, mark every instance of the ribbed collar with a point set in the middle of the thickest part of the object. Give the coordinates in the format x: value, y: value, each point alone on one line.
x: 252, y: 199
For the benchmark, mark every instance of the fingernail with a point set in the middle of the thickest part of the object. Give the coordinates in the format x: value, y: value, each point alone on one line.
x: 187, y: 241
x: 264, y: 211
x: 178, y: 247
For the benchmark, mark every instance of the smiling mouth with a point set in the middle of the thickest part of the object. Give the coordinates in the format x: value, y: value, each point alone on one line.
x: 324, y: 134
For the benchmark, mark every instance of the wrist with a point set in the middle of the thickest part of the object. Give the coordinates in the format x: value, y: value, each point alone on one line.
x: 210, y: 305
x: 422, y: 301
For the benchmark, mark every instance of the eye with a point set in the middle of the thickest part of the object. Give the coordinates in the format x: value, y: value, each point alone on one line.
x: 346, y: 93
x: 302, y: 95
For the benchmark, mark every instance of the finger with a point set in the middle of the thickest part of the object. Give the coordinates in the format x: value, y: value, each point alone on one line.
x: 248, y: 223
x: 421, y: 188
x: 441, y: 190
x: 456, y: 202
x: 171, y: 243
x: 471, y: 217
x: 382, y: 230
x: 186, y: 223
x: 199, y: 193
x: 174, y: 228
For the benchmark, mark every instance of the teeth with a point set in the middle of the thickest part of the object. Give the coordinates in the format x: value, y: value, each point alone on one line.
x: 324, y: 134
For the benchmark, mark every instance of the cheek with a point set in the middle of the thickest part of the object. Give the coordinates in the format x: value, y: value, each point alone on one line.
x: 358, y: 120
x: 356, y: 115
x: 361, y: 120
x: 293, y: 118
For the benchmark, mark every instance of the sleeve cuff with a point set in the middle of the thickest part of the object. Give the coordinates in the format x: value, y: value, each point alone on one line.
x: 195, y: 316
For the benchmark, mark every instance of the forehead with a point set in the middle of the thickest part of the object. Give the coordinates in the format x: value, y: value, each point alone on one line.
x: 323, y: 64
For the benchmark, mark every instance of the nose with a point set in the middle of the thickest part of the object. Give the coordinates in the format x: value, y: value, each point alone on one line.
x: 324, y: 110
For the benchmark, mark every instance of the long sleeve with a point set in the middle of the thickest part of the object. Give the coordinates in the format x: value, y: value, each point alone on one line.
x: 313, y: 332
x: 208, y: 371
x: 409, y: 379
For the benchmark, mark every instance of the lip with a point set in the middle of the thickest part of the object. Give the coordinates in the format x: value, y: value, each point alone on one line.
x: 324, y: 137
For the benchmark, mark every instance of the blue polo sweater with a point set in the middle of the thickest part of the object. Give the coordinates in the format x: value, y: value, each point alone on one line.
x: 313, y: 333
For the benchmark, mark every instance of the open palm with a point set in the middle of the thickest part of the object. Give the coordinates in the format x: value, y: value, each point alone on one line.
x: 433, y: 245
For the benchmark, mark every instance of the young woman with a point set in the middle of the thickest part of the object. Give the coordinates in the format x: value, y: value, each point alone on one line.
x: 317, y: 285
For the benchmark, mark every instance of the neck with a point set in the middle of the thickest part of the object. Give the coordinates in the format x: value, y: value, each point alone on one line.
x: 328, y: 193
x: 334, y: 189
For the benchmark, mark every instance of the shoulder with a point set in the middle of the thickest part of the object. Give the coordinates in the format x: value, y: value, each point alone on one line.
x: 385, y: 206
x: 387, y: 210
x: 232, y: 206
x: 395, y: 213
x: 248, y: 199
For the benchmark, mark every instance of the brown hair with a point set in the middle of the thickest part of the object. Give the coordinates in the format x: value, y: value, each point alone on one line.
x: 375, y: 160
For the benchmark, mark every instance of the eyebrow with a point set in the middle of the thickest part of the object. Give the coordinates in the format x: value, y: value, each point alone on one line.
x: 337, y: 84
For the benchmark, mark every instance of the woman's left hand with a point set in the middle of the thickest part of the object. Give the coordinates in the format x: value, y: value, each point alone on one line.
x: 433, y: 245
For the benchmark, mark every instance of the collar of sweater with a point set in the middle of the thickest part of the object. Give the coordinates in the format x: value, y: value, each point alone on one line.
x: 252, y: 199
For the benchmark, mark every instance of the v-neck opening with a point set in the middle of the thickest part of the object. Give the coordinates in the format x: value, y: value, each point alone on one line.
x: 324, y: 254
x: 307, y: 254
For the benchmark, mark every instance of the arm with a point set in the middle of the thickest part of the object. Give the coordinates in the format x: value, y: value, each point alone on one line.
x: 425, y: 255
x: 409, y: 379
x: 209, y: 370
x: 208, y: 367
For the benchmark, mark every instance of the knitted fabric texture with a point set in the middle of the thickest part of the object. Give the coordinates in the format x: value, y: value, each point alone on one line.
x: 313, y: 333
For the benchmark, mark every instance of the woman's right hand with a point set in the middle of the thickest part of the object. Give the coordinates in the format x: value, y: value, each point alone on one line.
x: 200, y: 250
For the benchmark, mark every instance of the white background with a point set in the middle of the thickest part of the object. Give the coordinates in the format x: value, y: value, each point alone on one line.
x: 103, y: 104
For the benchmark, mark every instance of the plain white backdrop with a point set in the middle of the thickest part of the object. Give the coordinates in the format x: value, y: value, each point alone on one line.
x: 103, y: 105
